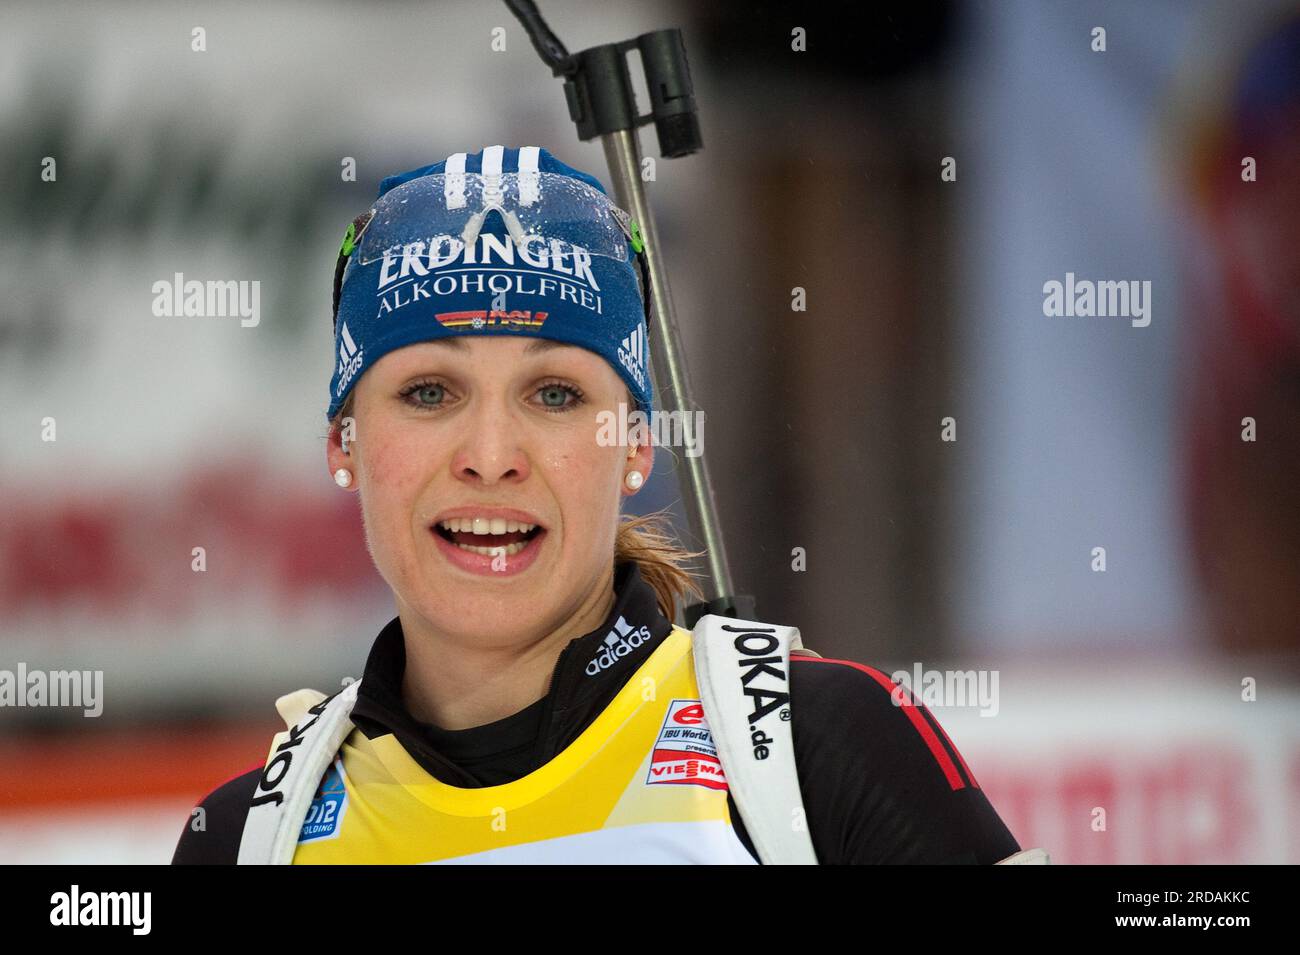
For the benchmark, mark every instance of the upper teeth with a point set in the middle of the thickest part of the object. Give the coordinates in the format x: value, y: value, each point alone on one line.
x: 485, y: 525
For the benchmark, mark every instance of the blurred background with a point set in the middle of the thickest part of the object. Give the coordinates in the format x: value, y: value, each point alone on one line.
x: 1164, y: 689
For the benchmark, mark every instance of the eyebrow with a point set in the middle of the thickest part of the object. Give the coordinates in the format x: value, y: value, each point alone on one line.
x: 546, y: 344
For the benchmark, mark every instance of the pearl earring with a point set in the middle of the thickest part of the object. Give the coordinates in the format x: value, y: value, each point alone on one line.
x: 343, y: 477
x: 633, y: 480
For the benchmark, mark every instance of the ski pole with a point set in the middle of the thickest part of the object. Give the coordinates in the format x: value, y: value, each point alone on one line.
x: 601, y: 101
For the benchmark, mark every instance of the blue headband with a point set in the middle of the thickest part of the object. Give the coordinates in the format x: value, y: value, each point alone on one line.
x: 592, y: 301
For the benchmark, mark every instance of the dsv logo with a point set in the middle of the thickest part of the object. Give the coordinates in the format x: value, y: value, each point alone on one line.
x: 758, y: 649
x: 619, y: 642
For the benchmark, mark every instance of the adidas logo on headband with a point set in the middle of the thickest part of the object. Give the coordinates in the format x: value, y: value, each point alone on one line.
x: 632, y: 354
x: 350, y: 357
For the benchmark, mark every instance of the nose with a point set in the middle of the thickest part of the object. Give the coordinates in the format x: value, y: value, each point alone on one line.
x: 490, y: 449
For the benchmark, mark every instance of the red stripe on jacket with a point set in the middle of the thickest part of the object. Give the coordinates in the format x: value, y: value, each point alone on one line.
x: 912, y: 708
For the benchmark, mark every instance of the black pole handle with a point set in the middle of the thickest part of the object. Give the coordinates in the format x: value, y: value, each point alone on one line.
x: 548, y: 46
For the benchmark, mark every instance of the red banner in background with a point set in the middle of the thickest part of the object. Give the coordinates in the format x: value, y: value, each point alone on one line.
x: 130, y: 548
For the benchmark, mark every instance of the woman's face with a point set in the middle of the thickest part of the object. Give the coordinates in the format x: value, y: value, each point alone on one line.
x: 499, y: 429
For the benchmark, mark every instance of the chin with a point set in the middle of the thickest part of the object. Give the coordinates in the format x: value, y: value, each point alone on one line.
x: 484, y: 616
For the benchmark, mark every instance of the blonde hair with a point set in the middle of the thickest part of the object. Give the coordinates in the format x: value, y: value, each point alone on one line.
x: 646, y: 540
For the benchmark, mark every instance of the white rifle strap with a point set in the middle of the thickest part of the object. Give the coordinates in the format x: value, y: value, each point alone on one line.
x: 743, y: 671
x: 1028, y: 857
x: 298, y: 759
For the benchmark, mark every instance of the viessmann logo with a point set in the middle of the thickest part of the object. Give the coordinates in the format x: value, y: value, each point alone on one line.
x: 684, y: 752
x: 619, y: 642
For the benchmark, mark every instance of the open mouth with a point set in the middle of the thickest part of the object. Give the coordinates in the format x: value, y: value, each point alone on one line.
x: 510, y: 540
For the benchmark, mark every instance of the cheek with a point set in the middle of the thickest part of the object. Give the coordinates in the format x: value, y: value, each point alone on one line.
x: 580, y: 469
x: 394, y: 469
x: 585, y: 479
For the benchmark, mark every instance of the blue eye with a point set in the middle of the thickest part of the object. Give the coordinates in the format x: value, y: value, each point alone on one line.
x: 419, y: 394
x: 431, y: 396
x: 558, y: 390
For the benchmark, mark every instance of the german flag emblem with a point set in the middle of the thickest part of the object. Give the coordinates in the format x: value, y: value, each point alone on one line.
x: 485, y: 318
